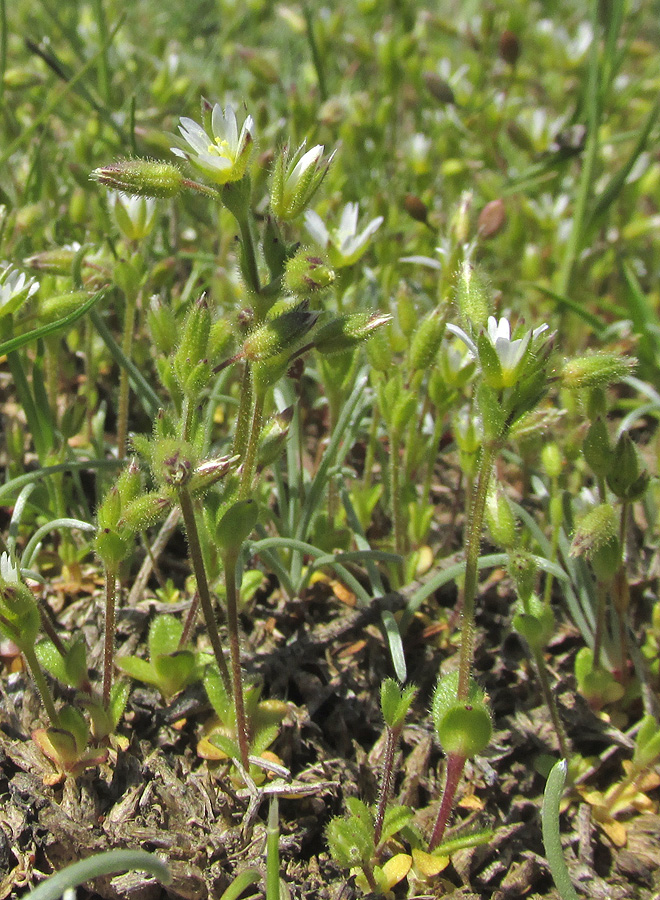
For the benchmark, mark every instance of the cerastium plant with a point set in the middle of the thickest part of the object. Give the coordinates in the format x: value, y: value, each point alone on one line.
x: 283, y: 320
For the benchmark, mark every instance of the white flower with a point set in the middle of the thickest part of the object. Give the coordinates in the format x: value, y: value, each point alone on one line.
x: 223, y: 156
x: 135, y: 216
x: 295, y: 180
x: 344, y: 245
x: 8, y: 570
x: 510, y: 353
x: 15, y: 289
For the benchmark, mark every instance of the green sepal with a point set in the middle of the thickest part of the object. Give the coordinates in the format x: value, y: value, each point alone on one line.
x: 535, y: 622
x: 463, y: 727
x: 597, y: 449
x: 395, y: 702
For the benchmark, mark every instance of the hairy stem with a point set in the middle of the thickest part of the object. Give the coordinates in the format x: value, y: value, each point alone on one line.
x: 197, y: 561
x: 472, y: 546
x: 109, y: 633
x: 386, y: 781
x: 455, y: 766
x: 250, y: 460
x: 126, y: 347
x: 229, y: 562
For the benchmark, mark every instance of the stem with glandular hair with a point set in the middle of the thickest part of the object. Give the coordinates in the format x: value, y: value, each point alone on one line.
x: 109, y: 632
x: 197, y: 561
x: 472, y: 546
x: 230, y: 558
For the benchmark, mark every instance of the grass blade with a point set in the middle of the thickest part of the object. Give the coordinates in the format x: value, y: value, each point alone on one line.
x: 551, y: 834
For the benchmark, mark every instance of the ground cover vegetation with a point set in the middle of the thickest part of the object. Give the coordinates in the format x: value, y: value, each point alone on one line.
x: 329, y: 372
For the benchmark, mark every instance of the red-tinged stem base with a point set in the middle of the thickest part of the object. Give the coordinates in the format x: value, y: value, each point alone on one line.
x: 455, y: 766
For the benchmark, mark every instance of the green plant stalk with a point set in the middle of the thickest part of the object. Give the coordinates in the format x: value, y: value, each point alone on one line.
x: 551, y: 834
x: 243, y: 418
x: 472, y: 545
x: 126, y: 347
x: 250, y: 460
x: 436, y: 437
x: 395, y: 490
x: 51, y: 368
x: 41, y: 683
x: 621, y: 592
x: 111, y: 862
x: 601, y: 600
x: 317, y: 57
x: 230, y: 558
x: 454, y: 770
x: 392, y: 739
x: 273, y: 851
x: 593, y: 103
x: 109, y: 633
x: 371, y: 447
x: 197, y: 561
x: 550, y: 702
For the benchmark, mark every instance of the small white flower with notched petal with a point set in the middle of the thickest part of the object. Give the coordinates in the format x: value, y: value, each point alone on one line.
x: 15, y: 289
x: 223, y: 156
x: 344, y: 245
x: 510, y: 353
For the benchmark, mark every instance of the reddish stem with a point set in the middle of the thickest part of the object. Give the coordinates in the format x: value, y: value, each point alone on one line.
x: 455, y: 765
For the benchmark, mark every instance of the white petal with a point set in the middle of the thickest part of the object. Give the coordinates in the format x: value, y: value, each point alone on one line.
x: 347, y: 223
x: 316, y: 228
x: 230, y: 132
x: 306, y: 161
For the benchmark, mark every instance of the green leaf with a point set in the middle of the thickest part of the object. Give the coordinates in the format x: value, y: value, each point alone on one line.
x: 164, y: 636
x: 138, y: 668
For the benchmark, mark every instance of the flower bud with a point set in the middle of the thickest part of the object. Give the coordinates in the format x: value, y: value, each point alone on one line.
x: 144, y: 511
x: 500, y: 519
x: 53, y: 308
x: 625, y: 479
x: 606, y: 560
x: 273, y: 438
x: 306, y: 274
x: 379, y: 352
x: 346, y: 332
x: 522, y: 570
x: 279, y: 335
x: 473, y: 296
x: 595, y: 370
x: 426, y: 340
x: 597, y: 449
x: 594, y: 530
x: 141, y: 177
x: 552, y: 460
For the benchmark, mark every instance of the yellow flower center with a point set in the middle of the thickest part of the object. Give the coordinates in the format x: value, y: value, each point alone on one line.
x: 220, y: 148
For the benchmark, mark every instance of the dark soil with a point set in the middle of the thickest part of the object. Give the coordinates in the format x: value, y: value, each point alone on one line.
x: 326, y: 659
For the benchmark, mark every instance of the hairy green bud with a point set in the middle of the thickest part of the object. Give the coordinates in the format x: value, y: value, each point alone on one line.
x: 141, y: 177
x: 595, y: 370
